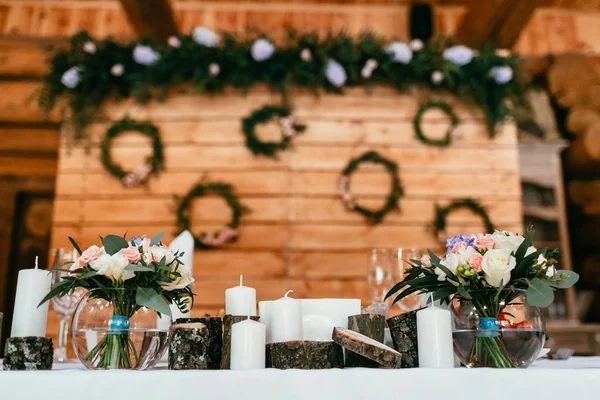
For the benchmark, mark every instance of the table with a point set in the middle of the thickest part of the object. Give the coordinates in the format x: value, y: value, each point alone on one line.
x: 577, y: 378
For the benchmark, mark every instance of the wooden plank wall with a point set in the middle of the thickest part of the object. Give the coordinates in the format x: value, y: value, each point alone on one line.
x: 298, y: 236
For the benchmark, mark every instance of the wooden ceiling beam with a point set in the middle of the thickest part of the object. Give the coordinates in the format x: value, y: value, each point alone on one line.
x: 151, y: 18
x: 497, y: 21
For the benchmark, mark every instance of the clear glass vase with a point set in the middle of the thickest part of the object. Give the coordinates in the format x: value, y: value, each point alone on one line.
x: 116, y: 334
x: 497, y: 335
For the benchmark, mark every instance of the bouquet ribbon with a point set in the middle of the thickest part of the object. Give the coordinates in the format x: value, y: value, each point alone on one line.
x: 491, y: 325
x: 118, y: 323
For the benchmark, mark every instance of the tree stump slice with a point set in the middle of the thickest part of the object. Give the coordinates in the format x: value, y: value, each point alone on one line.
x: 188, y: 347
x: 305, y: 355
x: 403, y: 328
x: 215, y: 337
x: 371, y: 325
x: 30, y: 353
x: 229, y: 320
x: 367, y: 347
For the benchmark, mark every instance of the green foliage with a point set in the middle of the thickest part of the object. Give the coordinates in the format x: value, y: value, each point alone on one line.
x: 189, y: 64
x: 539, y: 293
x: 454, y: 121
x: 113, y: 244
x: 441, y: 214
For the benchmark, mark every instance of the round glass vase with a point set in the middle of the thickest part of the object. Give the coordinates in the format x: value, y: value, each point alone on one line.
x: 513, y: 338
x: 104, y: 338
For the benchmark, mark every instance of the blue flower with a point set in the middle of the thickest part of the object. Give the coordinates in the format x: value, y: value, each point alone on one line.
x: 400, y: 52
x: 72, y: 77
x: 501, y: 75
x: 145, y: 55
x: 262, y: 50
x: 335, y: 73
x: 137, y: 240
x: 454, y: 240
x: 205, y: 37
x: 459, y: 55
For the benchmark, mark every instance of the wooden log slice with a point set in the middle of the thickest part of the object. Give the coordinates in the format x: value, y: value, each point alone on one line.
x: 371, y: 325
x: 305, y: 355
x: 228, y: 321
x: 367, y: 347
x: 403, y: 328
x: 215, y: 337
x: 30, y: 353
x: 188, y: 347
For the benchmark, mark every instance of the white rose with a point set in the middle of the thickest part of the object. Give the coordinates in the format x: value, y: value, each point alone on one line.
x: 113, y: 267
x: 186, y: 279
x: 507, y: 240
x: 530, y: 250
x: 496, y: 266
x: 451, y: 261
x: 158, y: 252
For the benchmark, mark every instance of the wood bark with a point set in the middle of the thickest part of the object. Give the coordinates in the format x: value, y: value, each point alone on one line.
x: 228, y: 321
x: 30, y: 353
x: 188, y: 346
x: 371, y: 325
x: 403, y: 328
x: 367, y: 347
x: 215, y: 337
x: 305, y: 355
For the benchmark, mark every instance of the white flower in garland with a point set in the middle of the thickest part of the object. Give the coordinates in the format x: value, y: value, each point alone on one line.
x: 504, y: 53
x: 214, y: 69
x: 89, y: 47
x: 437, y: 77
x: 459, y: 55
x: 174, y: 42
x: 205, y: 37
x: 335, y: 73
x: 416, y: 45
x: 400, y: 52
x: 71, y: 77
x: 306, y: 55
x: 117, y: 70
x: 501, y: 75
x: 145, y: 55
x: 370, y: 66
x: 262, y: 49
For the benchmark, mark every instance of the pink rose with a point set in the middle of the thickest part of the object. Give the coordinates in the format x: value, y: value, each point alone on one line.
x: 132, y: 254
x: 475, y: 262
x: 426, y: 261
x: 92, y: 253
x: 458, y: 247
x: 485, y: 242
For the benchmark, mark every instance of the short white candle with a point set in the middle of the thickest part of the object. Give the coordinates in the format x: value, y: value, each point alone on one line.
x: 434, y: 338
x: 286, y: 319
x: 248, y: 345
x: 28, y: 318
x: 240, y: 300
x: 264, y: 310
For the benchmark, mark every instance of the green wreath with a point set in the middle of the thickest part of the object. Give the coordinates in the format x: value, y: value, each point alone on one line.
x: 373, y: 216
x: 445, y: 142
x: 154, y: 163
x: 206, y: 241
x: 289, y: 129
x: 442, y: 212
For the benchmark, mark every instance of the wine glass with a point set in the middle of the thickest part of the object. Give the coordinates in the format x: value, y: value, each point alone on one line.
x: 400, y: 260
x: 65, y: 305
x: 380, y: 280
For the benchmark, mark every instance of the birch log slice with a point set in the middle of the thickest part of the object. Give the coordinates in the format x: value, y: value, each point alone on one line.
x: 305, y: 355
x: 215, y: 337
x: 367, y: 347
x: 188, y: 347
x: 371, y: 325
x: 228, y: 321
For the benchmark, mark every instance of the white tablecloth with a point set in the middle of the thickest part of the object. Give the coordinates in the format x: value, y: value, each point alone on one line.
x: 575, y: 379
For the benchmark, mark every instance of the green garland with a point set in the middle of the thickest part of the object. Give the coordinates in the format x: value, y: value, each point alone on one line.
x: 373, y: 216
x: 442, y: 212
x: 453, y: 124
x: 205, y: 241
x: 263, y: 115
x: 85, y: 80
x: 155, y: 162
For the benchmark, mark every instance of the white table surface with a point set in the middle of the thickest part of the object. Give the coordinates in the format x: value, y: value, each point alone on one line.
x: 574, y: 379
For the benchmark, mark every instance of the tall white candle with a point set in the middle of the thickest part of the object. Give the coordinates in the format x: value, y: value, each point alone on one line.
x: 248, y: 345
x: 28, y: 318
x: 286, y: 319
x: 434, y: 338
x: 264, y: 310
x: 240, y: 300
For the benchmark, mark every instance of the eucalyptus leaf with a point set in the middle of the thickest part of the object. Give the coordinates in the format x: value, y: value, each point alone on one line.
x: 540, y: 293
x: 148, y: 297
x: 569, y: 278
x: 157, y: 238
x: 113, y: 244
x: 140, y: 268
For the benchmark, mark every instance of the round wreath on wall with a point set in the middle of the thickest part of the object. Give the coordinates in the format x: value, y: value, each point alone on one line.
x: 442, y: 213
x: 289, y: 129
x: 228, y: 234
x: 373, y: 216
x: 141, y: 173
x: 454, y: 121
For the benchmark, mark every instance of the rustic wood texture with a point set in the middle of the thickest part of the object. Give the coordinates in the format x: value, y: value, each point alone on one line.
x: 305, y: 355
x: 151, y: 18
x: 371, y: 325
x: 298, y: 236
x: 367, y: 347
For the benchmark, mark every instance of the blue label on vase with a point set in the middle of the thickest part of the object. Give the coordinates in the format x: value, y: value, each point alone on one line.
x: 489, y: 324
x: 119, y: 323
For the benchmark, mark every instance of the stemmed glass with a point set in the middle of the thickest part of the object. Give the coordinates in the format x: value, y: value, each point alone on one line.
x: 380, y: 280
x: 65, y: 305
x: 400, y: 259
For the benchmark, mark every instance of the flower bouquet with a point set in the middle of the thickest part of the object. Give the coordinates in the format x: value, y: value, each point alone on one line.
x: 498, y: 276
x: 129, y: 276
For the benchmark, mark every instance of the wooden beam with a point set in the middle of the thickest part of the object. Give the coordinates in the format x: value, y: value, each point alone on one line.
x: 22, y: 57
x: 496, y: 21
x: 151, y: 18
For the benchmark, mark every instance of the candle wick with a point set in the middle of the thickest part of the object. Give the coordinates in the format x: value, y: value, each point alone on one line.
x: 241, y: 276
x: 288, y: 292
x: 36, y: 262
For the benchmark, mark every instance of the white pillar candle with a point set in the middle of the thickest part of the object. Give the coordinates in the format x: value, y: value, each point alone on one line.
x: 240, y: 300
x: 28, y: 318
x: 434, y: 338
x: 248, y: 345
x: 286, y: 319
x: 264, y: 310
